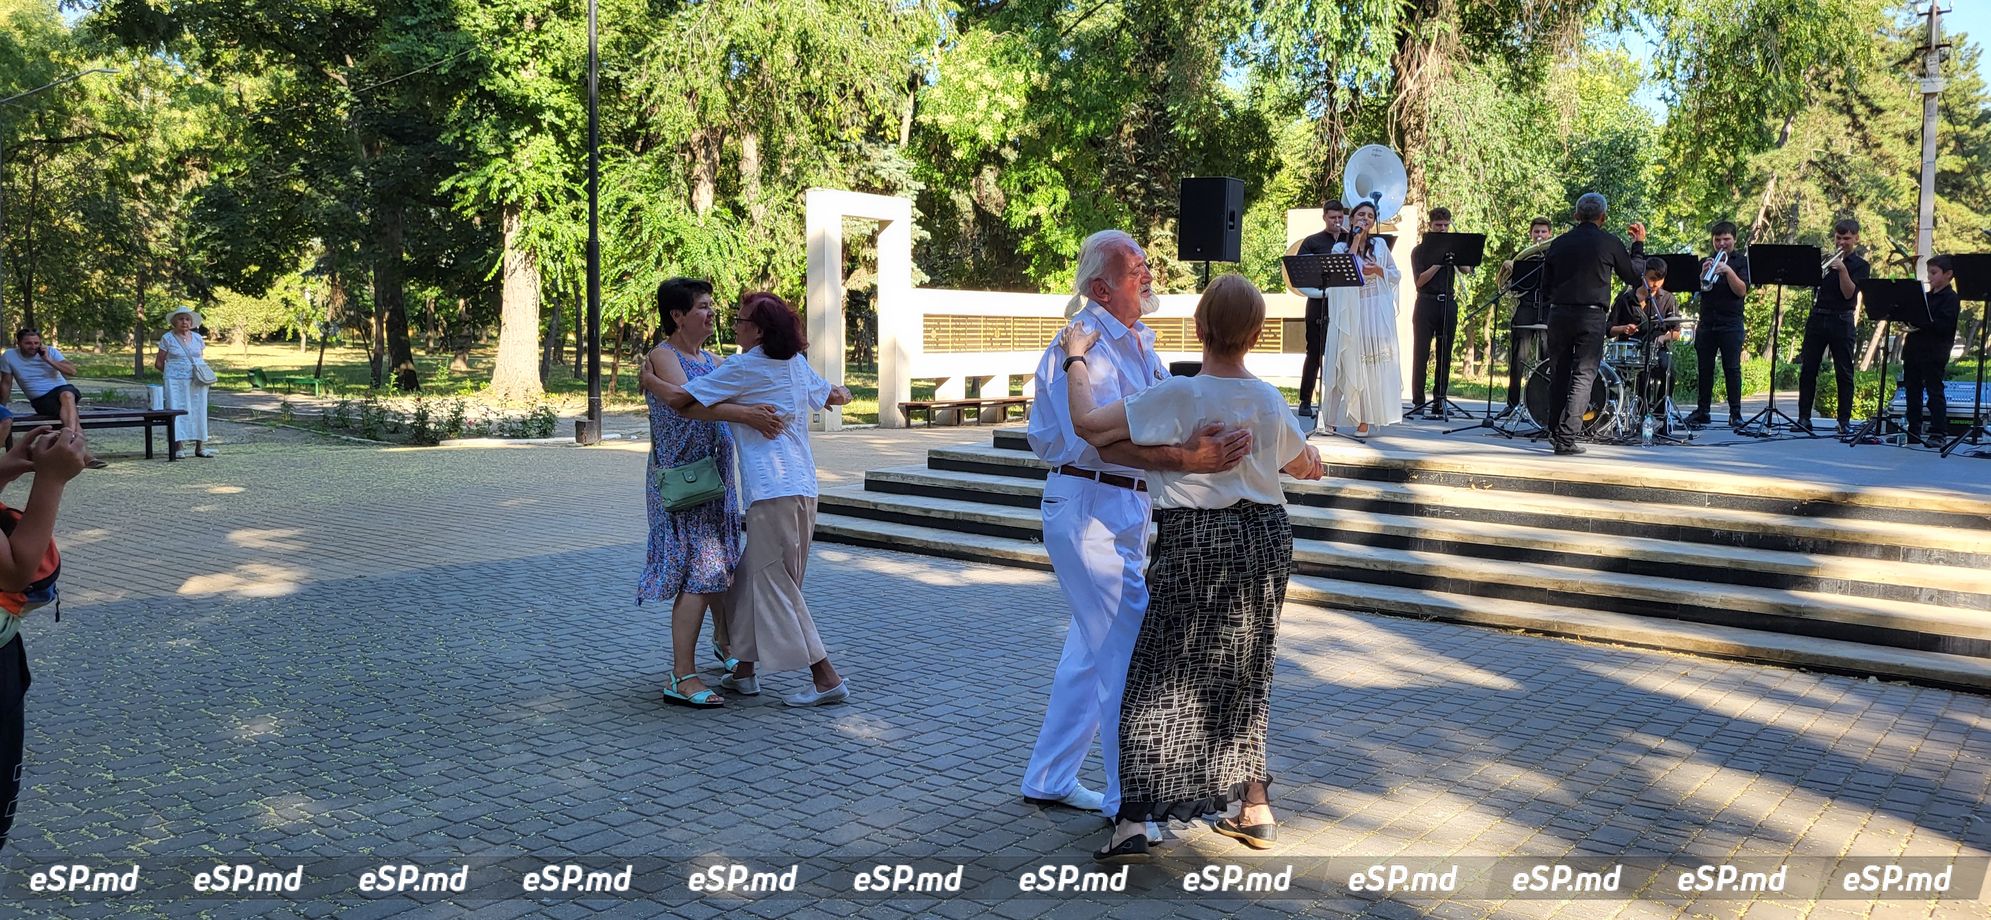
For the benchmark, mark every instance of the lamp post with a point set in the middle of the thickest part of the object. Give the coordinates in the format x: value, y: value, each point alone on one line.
x: 588, y: 430
x: 10, y: 100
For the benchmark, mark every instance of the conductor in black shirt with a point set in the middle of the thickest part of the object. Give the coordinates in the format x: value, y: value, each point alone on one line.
x: 1831, y: 327
x: 1581, y: 265
x: 1334, y: 217
x: 1926, y: 355
x: 1435, y: 320
x: 1719, y: 334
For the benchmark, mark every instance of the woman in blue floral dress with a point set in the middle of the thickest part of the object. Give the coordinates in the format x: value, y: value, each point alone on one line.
x: 693, y: 551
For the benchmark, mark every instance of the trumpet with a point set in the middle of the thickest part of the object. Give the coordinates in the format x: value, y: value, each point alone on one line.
x: 1833, y: 262
x: 1714, y: 270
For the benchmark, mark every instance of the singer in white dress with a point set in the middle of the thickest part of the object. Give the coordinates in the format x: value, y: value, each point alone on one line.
x: 1363, y: 385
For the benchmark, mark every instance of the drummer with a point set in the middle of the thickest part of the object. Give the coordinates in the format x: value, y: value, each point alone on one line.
x: 1636, y: 316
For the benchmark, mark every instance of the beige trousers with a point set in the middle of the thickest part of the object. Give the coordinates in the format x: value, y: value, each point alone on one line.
x: 770, y: 622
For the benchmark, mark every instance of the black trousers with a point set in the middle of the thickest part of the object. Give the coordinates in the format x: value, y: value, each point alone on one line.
x: 1316, y: 323
x: 1922, y: 370
x: 13, y: 728
x: 1432, y: 324
x: 1576, y: 346
x: 1821, y: 332
x: 1727, y: 344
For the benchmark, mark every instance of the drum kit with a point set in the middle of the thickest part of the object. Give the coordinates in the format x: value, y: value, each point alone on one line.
x: 1630, y: 400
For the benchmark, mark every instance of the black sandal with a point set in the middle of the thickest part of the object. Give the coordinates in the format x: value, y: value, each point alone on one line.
x: 1256, y: 836
x: 1131, y: 850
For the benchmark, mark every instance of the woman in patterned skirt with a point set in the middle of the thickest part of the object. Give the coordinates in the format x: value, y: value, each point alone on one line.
x: 1193, y: 718
x: 692, y: 551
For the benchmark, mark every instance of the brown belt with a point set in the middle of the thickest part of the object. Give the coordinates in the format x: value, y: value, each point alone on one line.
x: 1111, y: 479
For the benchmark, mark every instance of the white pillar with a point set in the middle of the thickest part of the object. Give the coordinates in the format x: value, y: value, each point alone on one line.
x: 823, y: 224
x: 950, y: 388
x: 898, y: 321
x: 996, y: 387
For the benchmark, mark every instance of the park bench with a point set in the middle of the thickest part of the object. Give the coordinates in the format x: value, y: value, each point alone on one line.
x: 262, y: 380
x: 109, y: 418
x: 1000, y: 404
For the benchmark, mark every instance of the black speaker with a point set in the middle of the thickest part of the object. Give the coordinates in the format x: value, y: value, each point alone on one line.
x: 1209, y: 226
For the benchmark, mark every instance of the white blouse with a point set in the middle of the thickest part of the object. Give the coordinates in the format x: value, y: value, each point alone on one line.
x: 784, y: 465
x: 180, y: 356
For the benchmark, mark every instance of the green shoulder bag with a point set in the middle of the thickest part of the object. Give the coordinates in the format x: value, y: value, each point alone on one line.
x: 691, y: 485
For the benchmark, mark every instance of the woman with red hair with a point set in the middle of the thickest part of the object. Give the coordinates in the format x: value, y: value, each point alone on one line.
x: 770, y: 624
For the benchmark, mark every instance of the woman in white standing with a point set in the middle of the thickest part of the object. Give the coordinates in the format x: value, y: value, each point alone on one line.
x: 1364, y: 384
x: 179, y: 360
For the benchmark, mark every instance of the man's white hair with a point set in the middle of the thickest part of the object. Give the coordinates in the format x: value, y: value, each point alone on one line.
x: 1095, y: 259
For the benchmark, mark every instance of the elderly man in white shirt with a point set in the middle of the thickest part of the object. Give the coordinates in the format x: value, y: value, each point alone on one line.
x: 1096, y: 511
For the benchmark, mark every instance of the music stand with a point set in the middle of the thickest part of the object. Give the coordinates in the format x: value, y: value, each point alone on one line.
x: 1325, y: 270
x: 1456, y: 250
x: 1885, y: 299
x: 1973, y: 282
x: 1528, y: 279
x: 1783, y: 266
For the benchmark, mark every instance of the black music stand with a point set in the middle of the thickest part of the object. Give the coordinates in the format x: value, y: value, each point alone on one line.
x: 1973, y: 282
x: 1885, y: 299
x: 1529, y: 279
x: 1313, y: 275
x: 1783, y: 266
x: 1458, y: 250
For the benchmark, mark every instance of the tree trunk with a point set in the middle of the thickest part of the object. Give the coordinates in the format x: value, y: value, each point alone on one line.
x: 553, y: 353
x: 138, y: 329
x: 26, y: 263
x: 580, y: 335
x: 459, y: 335
x: 391, y: 295
x: 705, y: 146
x: 512, y: 374
x: 750, y: 170
x: 615, y: 358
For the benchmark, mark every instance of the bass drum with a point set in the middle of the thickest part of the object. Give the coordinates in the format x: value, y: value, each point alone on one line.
x: 1608, y: 410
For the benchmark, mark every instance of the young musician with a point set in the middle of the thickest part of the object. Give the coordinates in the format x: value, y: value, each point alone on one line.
x: 1635, y: 315
x: 1926, y: 355
x: 1334, y: 230
x: 1721, y: 328
x: 1524, y: 349
x: 1435, y: 319
x: 1831, y: 326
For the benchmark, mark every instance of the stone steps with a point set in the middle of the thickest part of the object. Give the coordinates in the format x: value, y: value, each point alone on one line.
x: 1880, y: 621
x: 1967, y: 588
x: 1823, y: 654
x: 1598, y: 478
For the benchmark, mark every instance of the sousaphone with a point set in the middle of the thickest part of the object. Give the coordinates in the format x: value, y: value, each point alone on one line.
x: 1375, y: 174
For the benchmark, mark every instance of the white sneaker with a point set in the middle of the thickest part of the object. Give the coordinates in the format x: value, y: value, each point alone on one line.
x: 1080, y: 798
x: 815, y: 697
x: 744, y: 686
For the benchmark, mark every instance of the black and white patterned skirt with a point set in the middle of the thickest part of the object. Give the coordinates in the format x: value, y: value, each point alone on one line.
x: 1193, y: 719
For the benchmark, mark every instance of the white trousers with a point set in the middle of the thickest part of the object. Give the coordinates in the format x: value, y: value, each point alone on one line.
x: 1097, y: 536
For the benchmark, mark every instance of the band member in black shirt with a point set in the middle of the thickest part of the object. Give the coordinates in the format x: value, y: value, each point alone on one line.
x: 1635, y: 317
x: 1435, y: 321
x: 1581, y: 264
x: 1926, y: 355
x: 1334, y: 217
x: 1831, y: 326
x: 1524, y: 349
x: 1719, y: 334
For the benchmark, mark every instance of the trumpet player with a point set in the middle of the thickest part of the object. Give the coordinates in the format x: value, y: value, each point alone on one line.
x: 1831, y: 326
x: 1724, y: 284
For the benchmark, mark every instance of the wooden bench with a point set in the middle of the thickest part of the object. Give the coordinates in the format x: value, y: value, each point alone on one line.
x: 109, y: 418
x: 1001, y: 404
x: 261, y: 380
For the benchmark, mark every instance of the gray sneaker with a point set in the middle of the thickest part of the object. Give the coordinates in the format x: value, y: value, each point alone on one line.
x: 744, y: 686
x: 815, y: 697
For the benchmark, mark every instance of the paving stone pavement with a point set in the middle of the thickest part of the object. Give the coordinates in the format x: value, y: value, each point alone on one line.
x: 332, y: 651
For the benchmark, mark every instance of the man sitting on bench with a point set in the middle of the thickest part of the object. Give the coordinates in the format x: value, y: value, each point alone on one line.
x: 40, y: 370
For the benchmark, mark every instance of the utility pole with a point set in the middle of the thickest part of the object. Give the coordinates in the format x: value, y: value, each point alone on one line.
x: 1932, y: 89
x: 588, y: 431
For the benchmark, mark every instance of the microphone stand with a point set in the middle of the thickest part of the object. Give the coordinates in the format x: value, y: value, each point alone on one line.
x: 1489, y: 419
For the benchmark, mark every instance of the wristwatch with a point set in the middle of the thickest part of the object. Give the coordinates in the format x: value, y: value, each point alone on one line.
x: 1069, y: 359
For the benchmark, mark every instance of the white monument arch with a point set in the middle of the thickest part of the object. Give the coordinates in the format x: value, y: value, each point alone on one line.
x: 987, y: 337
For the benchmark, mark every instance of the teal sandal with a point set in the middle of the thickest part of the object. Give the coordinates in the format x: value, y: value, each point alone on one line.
x: 727, y: 663
x: 707, y: 698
